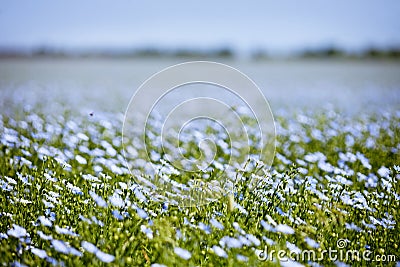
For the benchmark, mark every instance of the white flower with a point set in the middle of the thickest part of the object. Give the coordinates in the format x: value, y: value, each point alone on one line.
x: 48, y: 177
x: 214, y: 222
x: 17, y: 231
x: 48, y: 204
x: 240, y: 257
x: 253, y: 239
x: 74, y: 251
x: 74, y: 189
x: 237, y: 228
x: 183, y: 253
x: 244, y: 240
x: 383, y: 171
x: 10, y: 180
x: 364, y: 160
x: 142, y: 213
x: 352, y: 226
x: 60, y: 246
x: 218, y: 165
x: 220, y: 252
x: 124, y: 186
x: 43, y: 236
x: 147, y: 231
x: 82, y: 136
x: 269, y: 241
x: 3, y: 236
x: 325, y: 166
x: 89, y: 247
x: 267, y: 226
x: 241, y: 209
x: 117, y: 215
x: 314, y: 157
x: 285, y: 229
x: 98, y: 199
x: 270, y: 220
x: 139, y: 195
x: 23, y: 201
x: 81, y: 160
x: 65, y: 231
x: 293, y: 248
x: 116, y: 201
x: 45, y: 221
x: 25, y: 161
x: 230, y: 242
x: 89, y: 177
x: 18, y: 264
x: 104, y: 257
x: 205, y: 228
x: 96, y: 221
x: 39, y: 252
x: 311, y: 242
x: 83, y: 218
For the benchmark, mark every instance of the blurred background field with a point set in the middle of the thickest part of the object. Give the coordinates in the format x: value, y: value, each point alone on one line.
x: 107, y: 84
x: 95, y: 55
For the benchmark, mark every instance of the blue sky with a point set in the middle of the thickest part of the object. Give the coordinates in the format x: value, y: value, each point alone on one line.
x: 271, y: 25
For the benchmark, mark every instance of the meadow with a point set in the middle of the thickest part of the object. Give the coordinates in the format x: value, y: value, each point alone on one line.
x: 331, y: 196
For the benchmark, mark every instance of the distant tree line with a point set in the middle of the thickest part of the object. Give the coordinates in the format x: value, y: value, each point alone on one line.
x: 118, y: 53
x: 224, y: 52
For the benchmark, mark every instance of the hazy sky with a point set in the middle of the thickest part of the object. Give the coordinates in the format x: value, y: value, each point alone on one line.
x: 273, y: 25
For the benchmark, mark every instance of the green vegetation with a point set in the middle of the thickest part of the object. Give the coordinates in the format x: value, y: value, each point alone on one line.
x: 68, y: 199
